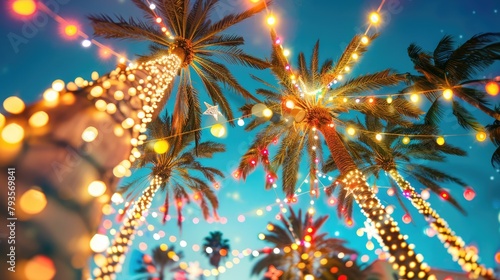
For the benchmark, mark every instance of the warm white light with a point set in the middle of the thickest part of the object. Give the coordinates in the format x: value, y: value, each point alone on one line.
x: 374, y: 17
x: 286, y: 52
x: 267, y: 113
x: 58, y: 85
x: 241, y: 122
x: 447, y: 94
x: 13, y: 105
x: 271, y: 20
x: 351, y: 131
x: 96, y: 188
x: 86, y: 43
x: 99, y: 243
x: 406, y: 140
x: 13, y: 133
x: 290, y: 104
x: 39, y: 119
x: 414, y: 98
x: 389, y: 100
x: 378, y: 136
x: 355, y: 56
x: 365, y: 40
x: 89, y: 134
x: 128, y: 123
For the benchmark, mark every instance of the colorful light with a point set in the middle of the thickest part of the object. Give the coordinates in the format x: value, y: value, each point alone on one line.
x: 13, y: 133
x: 440, y: 140
x: 425, y: 194
x: 447, y: 94
x: 406, y: 218
x: 444, y: 195
x: 39, y: 268
x: 218, y: 130
x: 51, y: 95
x: 492, y: 88
x: 24, y: 7
x: 406, y: 140
x: 13, y: 105
x: 161, y: 146
x: 33, y: 201
x: 481, y: 136
x: 70, y: 30
x: 2, y: 120
x: 469, y: 193
x: 365, y: 40
x: 351, y: 131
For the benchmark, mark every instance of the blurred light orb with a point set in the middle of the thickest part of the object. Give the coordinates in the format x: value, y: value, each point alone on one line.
x: 425, y: 194
x: 440, y: 140
x: 389, y: 209
x: 414, y: 98
x: 365, y: 40
x: 481, y: 136
x: 369, y: 245
x: 497, y: 257
x: 390, y: 191
x: 406, y: 140
x: 161, y: 146
x: 241, y: 122
x: 38, y: 119
x: 13, y: 105
x: 86, y: 43
x: 351, y: 131
x: 258, y: 109
x: 50, y: 95
x: 33, y: 201
x: 355, y: 56
x: 218, y: 130
x: 70, y: 30
x: 13, y: 133
x: 389, y: 100
x: 286, y: 52
x: 309, y: 277
x: 469, y: 193
x: 58, y: 85
x: 96, y: 188
x: 267, y: 113
x: 2, y: 120
x: 90, y: 134
x: 492, y: 88
x: 271, y: 20
x: 99, y: 243
x: 39, y: 268
x: 374, y: 17
x: 406, y: 218
x: 378, y: 136
x: 24, y: 7
x: 447, y: 94
x: 289, y: 104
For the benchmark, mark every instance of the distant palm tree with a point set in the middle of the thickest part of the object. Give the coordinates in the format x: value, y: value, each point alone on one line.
x: 456, y: 68
x: 172, y: 172
x: 161, y: 261
x: 215, y: 248
x: 394, y: 157
x: 494, y: 134
x: 309, y: 102
x: 305, y: 250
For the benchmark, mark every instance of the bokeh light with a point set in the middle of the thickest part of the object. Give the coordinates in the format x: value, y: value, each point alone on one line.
x: 99, y: 243
x: 13, y: 133
x: 96, y: 188
x: 38, y: 119
x: 39, y: 268
x: 24, y: 7
x: 33, y: 201
x: 13, y: 105
x: 492, y: 88
x: 161, y: 146
x: 218, y: 130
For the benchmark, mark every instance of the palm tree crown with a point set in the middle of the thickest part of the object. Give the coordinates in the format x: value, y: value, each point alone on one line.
x: 176, y: 172
x: 309, y: 101
x: 188, y: 30
x: 304, y: 250
x: 216, y: 248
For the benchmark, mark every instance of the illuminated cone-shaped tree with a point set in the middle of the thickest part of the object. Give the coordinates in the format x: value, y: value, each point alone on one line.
x: 396, y: 154
x: 216, y: 249
x: 305, y: 250
x: 450, y: 72
x: 44, y: 141
x: 310, y: 102
x: 173, y: 170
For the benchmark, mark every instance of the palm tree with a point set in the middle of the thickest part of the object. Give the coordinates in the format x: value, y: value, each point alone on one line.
x: 162, y: 259
x: 119, y: 105
x: 395, y: 157
x: 304, y: 249
x: 454, y: 68
x: 312, y: 103
x: 215, y: 248
x: 174, y: 173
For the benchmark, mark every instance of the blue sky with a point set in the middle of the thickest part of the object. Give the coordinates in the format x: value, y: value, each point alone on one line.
x: 26, y: 69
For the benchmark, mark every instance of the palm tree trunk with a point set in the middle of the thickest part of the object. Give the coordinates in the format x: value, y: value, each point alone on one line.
x: 115, y: 255
x: 56, y: 158
x: 402, y: 255
x: 466, y: 258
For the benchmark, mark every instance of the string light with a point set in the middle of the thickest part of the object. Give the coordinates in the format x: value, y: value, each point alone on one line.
x: 447, y: 94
